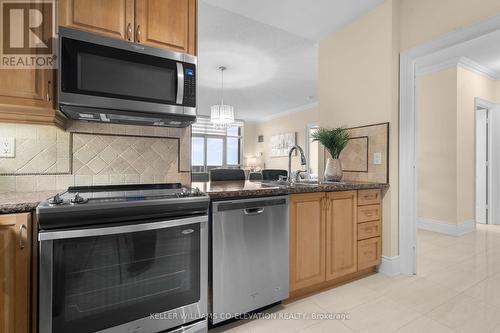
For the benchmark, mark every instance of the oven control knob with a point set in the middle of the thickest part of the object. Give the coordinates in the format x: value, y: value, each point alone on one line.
x: 78, y: 199
x: 55, y: 200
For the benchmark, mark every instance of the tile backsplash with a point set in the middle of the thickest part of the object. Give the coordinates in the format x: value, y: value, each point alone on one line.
x: 48, y: 158
x: 39, y: 150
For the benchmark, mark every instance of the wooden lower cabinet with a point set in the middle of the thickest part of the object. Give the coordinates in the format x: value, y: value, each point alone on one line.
x: 369, y: 252
x: 341, y: 234
x: 325, y: 247
x: 307, y: 240
x: 15, y: 251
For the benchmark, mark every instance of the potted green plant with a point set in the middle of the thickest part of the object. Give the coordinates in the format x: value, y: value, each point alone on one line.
x: 334, y: 140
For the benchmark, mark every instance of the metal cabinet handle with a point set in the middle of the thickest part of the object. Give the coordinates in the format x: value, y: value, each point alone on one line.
x: 253, y: 211
x: 48, y: 98
x: 129, y: 31
x: 21, y: 243
x: 138, y: 34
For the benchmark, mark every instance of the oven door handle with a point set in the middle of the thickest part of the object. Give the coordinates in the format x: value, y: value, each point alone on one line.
x: 180, y: 83
x: 65, y: 234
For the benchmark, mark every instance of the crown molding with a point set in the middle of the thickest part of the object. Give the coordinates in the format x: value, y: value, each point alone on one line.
x: 462, y: 62
x: 288, y: 112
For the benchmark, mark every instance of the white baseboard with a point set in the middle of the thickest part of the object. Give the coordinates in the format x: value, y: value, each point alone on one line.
x: 389, y: 266
x: 452, y: 229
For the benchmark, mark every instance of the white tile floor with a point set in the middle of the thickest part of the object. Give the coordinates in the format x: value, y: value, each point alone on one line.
x: 457, y: 289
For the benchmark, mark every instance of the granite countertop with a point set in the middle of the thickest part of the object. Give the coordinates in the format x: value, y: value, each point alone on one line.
x: 250, y: 189
x: 20, y: 202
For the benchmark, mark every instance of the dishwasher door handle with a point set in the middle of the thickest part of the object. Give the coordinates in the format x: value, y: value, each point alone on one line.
x: 253, y: 211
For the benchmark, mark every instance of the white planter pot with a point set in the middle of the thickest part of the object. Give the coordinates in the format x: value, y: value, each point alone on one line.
x: 333, y: 170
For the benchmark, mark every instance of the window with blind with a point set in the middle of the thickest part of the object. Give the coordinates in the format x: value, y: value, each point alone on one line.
x: 213, y: 147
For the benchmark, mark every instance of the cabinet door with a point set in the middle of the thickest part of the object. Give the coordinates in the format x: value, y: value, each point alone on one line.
x: 24, y: 87
x: 114, y: 18
x: 341, y: 234
x: 14, y: 273
x: 307, y: 240
x: 26, y: 94
x: 169, y: 24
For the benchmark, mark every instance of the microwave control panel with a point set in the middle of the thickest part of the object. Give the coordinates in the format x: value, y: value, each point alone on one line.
x: 189, y: 85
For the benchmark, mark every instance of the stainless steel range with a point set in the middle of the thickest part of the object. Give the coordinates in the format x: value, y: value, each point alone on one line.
x: 124, y: 258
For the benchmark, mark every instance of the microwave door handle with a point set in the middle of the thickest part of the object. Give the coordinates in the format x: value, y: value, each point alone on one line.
x: 180, y: 83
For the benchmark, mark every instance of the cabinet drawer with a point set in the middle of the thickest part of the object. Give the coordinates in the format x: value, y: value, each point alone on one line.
x: 369, y: 230
x: 369, y: 252
x: 369, y: 197
x: 369, y: 213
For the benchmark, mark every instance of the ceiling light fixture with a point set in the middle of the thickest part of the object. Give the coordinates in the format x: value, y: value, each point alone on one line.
x: 222, y: 115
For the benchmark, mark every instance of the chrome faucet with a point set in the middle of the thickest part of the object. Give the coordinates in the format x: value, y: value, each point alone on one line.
x: 302, y: 161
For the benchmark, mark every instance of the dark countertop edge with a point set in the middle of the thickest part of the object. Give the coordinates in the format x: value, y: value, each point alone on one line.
x: 15, y: 208
x: 269, y: 192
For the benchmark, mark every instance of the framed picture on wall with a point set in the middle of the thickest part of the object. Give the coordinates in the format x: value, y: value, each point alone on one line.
x: 282, y: 143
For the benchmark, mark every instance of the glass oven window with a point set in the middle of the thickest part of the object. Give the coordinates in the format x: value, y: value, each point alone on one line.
x: 110, y: 72
x: 104, y: 281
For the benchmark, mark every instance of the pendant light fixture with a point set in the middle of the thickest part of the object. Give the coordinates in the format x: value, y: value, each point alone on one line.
x: 222, y: 115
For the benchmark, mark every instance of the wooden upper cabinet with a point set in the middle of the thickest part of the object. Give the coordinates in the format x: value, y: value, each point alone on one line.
x: 169, y: 24
x: 341, y: 234
x: 114, y: 18
x: 307, y: 240
x: 14, y: 273
x: 27, y: 87
x: 27, y: 95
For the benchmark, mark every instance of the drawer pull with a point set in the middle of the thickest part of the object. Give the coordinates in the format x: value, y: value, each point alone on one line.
x: 369, y: 230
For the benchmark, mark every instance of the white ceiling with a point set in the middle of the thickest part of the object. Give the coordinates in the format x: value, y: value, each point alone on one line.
x: 310, y: 19
x: 270, y: 50
x: 269, y: 70
x: 486, y: 51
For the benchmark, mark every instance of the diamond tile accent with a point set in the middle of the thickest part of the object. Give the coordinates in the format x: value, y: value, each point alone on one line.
x: 134, y: 159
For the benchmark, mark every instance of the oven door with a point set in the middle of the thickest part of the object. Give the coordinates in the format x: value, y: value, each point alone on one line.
x: 133, y: 278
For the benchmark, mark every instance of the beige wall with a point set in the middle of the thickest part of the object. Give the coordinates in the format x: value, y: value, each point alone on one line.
x: 424, y: 20
x: 358, y: 81
x: 437, y: 145
x: 291, y: 122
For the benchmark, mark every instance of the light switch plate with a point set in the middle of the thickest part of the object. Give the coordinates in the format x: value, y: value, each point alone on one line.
x: 7, y: 147
x: 377, y: 158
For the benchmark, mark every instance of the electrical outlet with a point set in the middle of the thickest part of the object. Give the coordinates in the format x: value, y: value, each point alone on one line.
x: 7, y: 147
x: 377, y: 158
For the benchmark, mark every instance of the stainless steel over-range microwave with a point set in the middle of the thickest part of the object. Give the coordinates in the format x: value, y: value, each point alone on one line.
x: 111, y: 80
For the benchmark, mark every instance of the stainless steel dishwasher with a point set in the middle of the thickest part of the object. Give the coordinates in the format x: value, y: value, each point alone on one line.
x: 249, y: 255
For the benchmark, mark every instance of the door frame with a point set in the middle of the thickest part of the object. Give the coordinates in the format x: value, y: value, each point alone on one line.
x: 409, y: 60
x: 489, y: 106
